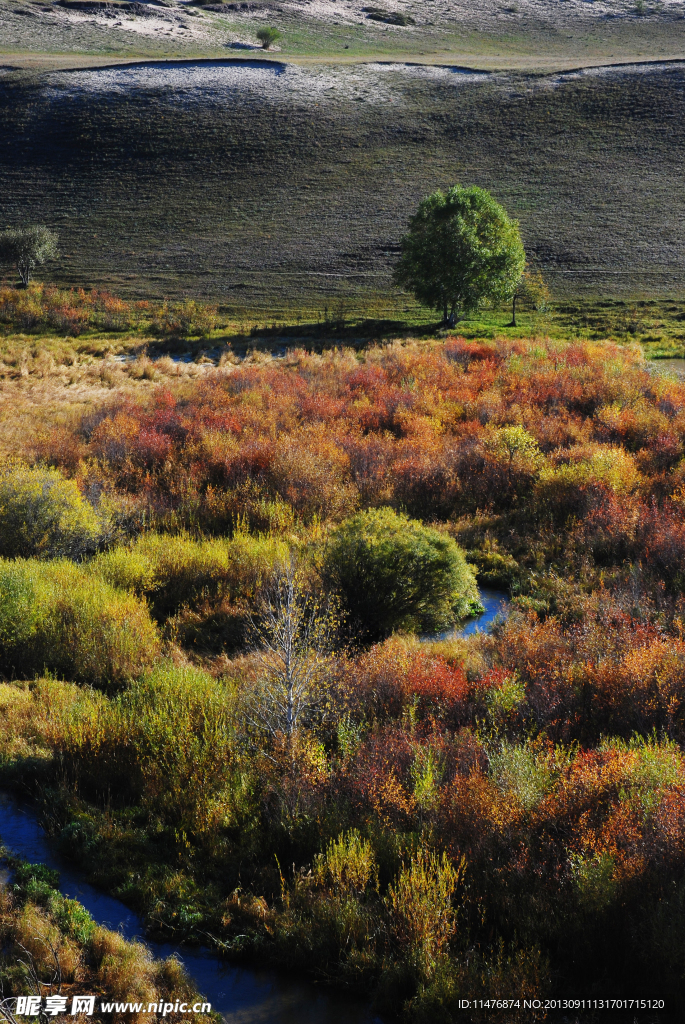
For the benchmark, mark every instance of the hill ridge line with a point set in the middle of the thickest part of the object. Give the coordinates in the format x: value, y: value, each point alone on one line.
x: 281, y: 63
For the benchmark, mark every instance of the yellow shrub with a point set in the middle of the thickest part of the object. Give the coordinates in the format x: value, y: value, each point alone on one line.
x: 348, y: 865
x: 173, y: 570
x: 124, y: 970
x: 43, y: 514
x: 608, y: 465
x: 54, y: 615
x: 420, y: 903
x: 48, y: 948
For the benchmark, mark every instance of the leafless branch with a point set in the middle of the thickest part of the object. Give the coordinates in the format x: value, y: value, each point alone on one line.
x: 292, y: 639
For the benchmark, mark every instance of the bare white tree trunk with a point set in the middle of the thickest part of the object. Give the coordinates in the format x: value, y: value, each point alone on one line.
x: 292, y: 639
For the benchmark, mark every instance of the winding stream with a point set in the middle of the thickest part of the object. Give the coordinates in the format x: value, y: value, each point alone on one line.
x: 242, y: 996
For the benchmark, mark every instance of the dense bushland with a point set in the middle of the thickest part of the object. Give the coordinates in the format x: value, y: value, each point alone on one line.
x: 72, y: 311
x: 495, y: 815
x: 575, y: 435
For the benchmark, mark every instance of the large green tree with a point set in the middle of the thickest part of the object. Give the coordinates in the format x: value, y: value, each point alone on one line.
x: 461, y: 249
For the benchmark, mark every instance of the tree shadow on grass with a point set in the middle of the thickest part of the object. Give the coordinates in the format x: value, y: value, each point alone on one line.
x: 277, y: 339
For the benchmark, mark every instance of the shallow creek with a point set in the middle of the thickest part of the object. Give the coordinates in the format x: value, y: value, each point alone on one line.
x: 242, y: 996
x: 495, y: 603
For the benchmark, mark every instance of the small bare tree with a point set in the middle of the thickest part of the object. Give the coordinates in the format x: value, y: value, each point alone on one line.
x: 6, y: 1013
x: 531, y: 291
x: 292, y: 639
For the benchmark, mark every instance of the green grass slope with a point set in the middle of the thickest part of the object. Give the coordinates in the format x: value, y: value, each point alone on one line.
x: 271, y: 185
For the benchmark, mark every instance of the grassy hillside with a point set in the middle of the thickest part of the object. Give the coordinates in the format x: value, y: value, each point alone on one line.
x: 484, y: 33
x: 271, y: 186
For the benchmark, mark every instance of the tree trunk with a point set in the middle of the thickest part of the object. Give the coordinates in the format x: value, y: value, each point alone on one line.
x: 24, y: 273
x: 513, y: 311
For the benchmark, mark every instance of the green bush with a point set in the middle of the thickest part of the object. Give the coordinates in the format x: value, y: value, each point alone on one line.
x: 172, y: 571
x: 44, y: 515
x: 55, y: 616
x: 394, y: 573
x: 165, y: 742
x: 268, y: 36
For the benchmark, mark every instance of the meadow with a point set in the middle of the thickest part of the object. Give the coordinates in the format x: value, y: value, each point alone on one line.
x: 498, y: 815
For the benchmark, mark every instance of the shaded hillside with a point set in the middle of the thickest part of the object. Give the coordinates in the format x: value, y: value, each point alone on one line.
x: 267, y: 183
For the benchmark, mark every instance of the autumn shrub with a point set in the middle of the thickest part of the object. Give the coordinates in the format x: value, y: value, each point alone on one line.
x: 165, y: 742
x: 395, y: 573
x: 603, y: 673
x: 184, y: 723
x: 43, y: 514
x: 576, y: 484
x: 526, y: 775
x: 348, y: 864
x: 661, y: 536
x: 334, y: 909
x: 184, y: 319
x: 249, y: 506
x: 421, y: 906
x: 55, y: 616
x: 126, y: 969
x: 41, y: 307
x: 310, y: 473
x: 42, y: 938
x: 175, y: 570
x: 518, y: 977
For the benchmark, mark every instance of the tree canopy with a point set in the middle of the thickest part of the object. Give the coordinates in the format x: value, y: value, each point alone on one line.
x: 27, y: 247
x: 461, y: 249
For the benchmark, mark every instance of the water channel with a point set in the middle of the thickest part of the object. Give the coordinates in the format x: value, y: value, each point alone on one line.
x: 242, y: 996
x: 495, y: 603
x: 676, y: 366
